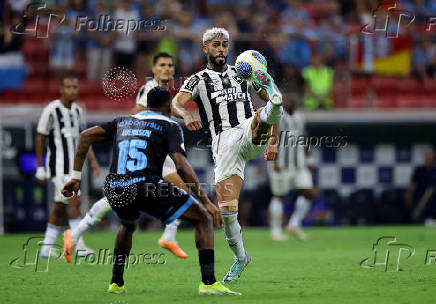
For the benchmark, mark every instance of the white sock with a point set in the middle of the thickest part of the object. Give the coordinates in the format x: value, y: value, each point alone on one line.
x: 169, y: 233
x: 302, y: 206
x: 97, y: 212
x: 73, y: 224
x: 233, y: 232
x: 271, y: 113
x: 51, y: 233
x: 275, y: 215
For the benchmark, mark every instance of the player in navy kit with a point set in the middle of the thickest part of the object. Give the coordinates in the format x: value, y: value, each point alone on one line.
x: 141, y: 143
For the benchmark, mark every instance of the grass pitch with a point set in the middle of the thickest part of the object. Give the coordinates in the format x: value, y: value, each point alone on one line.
x: 324, y: 269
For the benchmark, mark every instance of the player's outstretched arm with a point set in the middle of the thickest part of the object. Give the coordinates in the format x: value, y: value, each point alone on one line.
x: 87, y: 137
x: 178, y: 110
x: 188, y: 175
x: 39, y: 150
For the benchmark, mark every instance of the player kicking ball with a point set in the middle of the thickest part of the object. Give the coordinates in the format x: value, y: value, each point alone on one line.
x: 163, y: 73
x: 238, y: 132
x: 140, y: 144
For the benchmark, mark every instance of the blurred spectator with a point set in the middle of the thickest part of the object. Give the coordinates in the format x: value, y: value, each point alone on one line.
x: 99, y: 53
x: 421, y: 8
x: 62, y: 46
x: 319, y: 84
x: 424, y: 59
x: 18, y: 6
x: 294, y: 16
x: 125, y: 42
x: 296, y: 51
x: 331, y: 40
x: 78, y: 9
x: 11, y: 58
x: 146, y: 43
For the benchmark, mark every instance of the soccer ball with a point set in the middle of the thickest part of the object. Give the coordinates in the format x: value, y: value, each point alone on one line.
x: 248, y: 62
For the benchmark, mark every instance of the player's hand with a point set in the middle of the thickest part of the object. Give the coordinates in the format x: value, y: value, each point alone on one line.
x: 192, y: 123
x: 41, y: 175
x: 95, y: 169
x: 216, y: 214
x: 271, y: 152
x: 71, y: 188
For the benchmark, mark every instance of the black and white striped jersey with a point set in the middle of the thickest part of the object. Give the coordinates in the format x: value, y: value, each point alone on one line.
x: 291, y: 150
x: 141, y: 98
x: 62, y: 126
x: 223, y: 98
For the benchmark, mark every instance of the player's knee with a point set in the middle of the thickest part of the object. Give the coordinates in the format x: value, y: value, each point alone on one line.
x: 58, y: 210
x: 231, y: 205
x: 206, y: 218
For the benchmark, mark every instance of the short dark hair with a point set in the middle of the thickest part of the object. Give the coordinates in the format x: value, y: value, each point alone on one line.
x: 68, y: 76
x: 157, y: 97
x: 161, y: 55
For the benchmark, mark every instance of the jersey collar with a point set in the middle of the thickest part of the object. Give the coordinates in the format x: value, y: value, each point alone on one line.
x: 221, y: 73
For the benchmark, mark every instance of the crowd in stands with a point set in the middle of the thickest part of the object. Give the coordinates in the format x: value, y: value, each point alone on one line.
x: 305, y: 42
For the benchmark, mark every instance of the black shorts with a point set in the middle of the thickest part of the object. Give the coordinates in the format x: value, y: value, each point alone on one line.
x: 128, y: 196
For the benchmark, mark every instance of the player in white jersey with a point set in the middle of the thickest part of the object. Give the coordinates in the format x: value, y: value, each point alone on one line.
x: 290, y: 171
x: 60, y: 124
x: 238, y: 132
x: 163, y: 73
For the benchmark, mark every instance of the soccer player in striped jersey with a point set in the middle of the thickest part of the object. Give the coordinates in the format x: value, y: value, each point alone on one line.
x: 60, y: 125
x: 238, y: 132
x: 290, y: 171
x: 163, y: 73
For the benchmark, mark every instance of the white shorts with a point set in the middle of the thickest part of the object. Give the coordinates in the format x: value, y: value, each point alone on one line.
x: 282, y: 182
x: 168, y: 167
x: 232, y: 148
x: 59, y: 182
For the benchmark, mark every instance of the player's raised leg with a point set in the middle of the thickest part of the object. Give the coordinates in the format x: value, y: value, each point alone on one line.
x: 71, y: 237
x: 168, y: 239
x: 74, y: 216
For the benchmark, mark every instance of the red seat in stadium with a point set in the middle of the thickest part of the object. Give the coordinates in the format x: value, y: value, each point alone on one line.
x: 386, y: 100
x: 90, y: 88
x: 409, y: 100
x: 429, y: 101
x: 359, y: 85
x: 384, y: 84
x: 409, y: 85
x: 80, y: 69
x: 429, y: 86
x: 9, y: 96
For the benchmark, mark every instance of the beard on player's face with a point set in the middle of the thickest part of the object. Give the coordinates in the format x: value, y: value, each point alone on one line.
x: 218, y: 60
